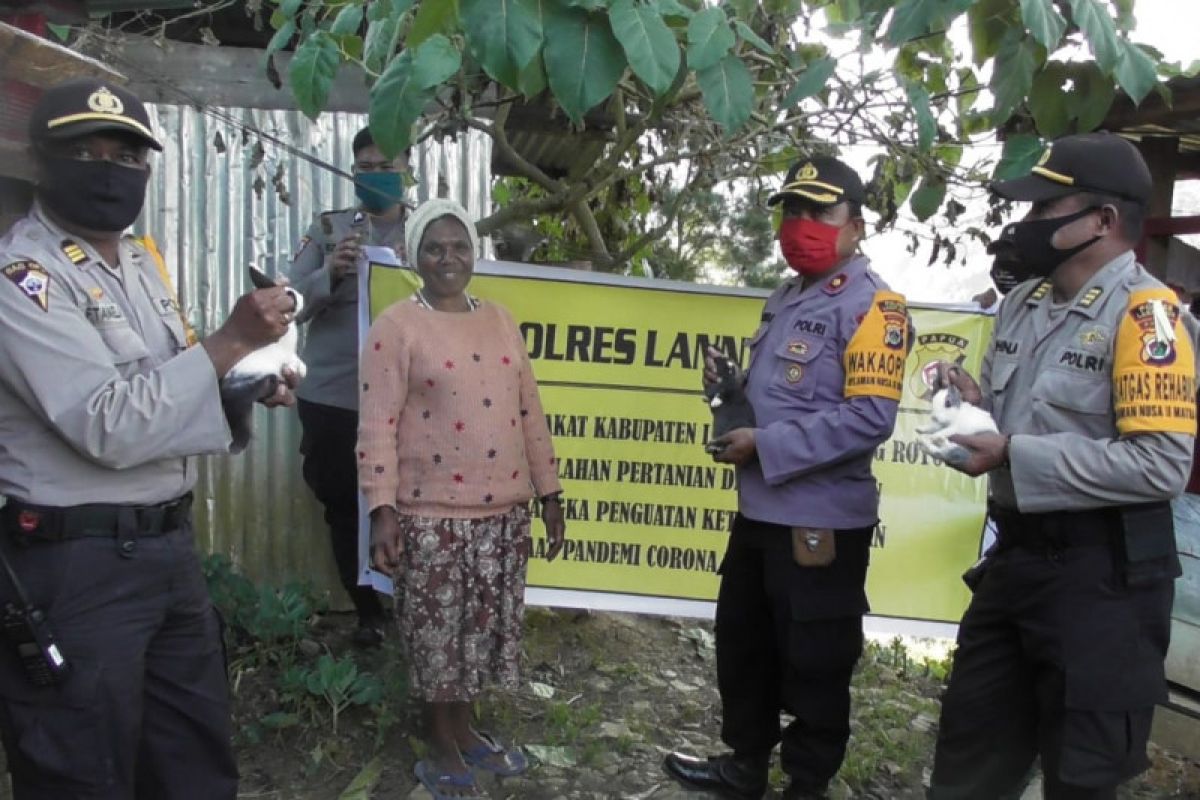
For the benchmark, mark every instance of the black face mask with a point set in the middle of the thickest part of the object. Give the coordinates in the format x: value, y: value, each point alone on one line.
x: 98, y: 195
x: 1024, y: 251
x: 1006, y: 269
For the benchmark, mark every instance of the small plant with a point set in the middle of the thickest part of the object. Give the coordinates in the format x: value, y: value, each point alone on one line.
x: 340, y: 684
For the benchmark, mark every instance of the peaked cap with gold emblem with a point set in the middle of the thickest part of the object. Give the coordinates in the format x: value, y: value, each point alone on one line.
x: 89, y: 105
x: 822, y: 180
x: 1104, y: 163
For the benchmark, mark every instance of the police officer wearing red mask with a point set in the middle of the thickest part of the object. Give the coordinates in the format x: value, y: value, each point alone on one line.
x: 824, y: 379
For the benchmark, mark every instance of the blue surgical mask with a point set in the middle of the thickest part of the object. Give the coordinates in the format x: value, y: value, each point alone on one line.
x: 379, y: 191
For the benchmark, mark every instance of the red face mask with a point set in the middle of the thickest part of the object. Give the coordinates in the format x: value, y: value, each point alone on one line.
x: 808, y: 246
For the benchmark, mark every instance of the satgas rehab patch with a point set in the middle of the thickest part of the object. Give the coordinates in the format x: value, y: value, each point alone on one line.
x: 1154, y: 371
x: 32, y: 279
x: 875, y: 356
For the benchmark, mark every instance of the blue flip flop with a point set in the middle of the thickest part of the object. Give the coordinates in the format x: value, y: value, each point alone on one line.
x: 436, y: 783
x: 492, y: 756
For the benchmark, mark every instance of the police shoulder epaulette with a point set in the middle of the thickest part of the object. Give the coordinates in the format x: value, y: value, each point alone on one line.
x: 1091, y: 296
x: 1041, y: 291
x: 74, y: 252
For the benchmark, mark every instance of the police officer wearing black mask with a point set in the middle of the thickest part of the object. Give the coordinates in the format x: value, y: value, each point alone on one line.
x: 112, y: 672
x: 1091, y: 378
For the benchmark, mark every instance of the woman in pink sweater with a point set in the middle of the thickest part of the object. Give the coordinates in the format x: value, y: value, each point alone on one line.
x: 452, y: 446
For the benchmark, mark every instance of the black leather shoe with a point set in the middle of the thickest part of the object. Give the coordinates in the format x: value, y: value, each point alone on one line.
x: 726, y: 774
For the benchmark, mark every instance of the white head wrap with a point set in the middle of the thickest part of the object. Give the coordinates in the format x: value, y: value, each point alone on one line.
x: 429, y: 212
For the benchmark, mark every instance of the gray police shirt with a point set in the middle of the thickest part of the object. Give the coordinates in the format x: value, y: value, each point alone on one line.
x: 1099, y: 399
x: 101, y: 400
x: 331, y: 306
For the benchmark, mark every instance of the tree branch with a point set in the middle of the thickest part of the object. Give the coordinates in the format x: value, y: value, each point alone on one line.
x: 500, y: 139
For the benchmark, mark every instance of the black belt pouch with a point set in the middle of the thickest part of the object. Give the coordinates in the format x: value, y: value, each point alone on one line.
x: 1148, y: 544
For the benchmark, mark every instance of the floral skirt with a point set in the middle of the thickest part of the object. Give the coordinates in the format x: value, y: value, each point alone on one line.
x: 460, y: 601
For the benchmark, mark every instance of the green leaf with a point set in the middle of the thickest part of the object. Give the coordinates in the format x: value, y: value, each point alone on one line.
x: 289, y: 8
x: 433, y: 16
x: 709, y: 38
x: 347, y: 21
x: 587, y: 5
x: 811, y: 81
x: 1020, y: 154
x: 728, y: 91
x: 381, y: 9
x: 988, y: 22
x: 918, y: 97
x: 1135, y: 72
x: 364, y: 783
x: 966, y: 98
x: 381, y: 36
x: 649, y: 44
x: 673, y: 8
x: 583, y: 60
x: 748, y: 35
x: 928, y: 197
x: 397, y: 101
x: 435, y: 61
x: 1094, y: 20
x: 351, y: 47
x: 532, y: 80
x: 1044, y: 22
x: 282, y: 37
x: 504, y: 35
x: 312, y: 70
x: 1046, y: 103
x: 744, y: 9
x: 1092, y: 97
x: 915, y: 18
x: 1012, y: 76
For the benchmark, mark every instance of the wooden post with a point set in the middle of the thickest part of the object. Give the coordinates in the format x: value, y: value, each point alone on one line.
x: 1161, y: 154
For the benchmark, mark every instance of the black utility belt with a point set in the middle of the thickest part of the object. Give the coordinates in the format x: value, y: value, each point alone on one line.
x: 1142, y: 536
x: 1056, y: 528
x: 29, y: 522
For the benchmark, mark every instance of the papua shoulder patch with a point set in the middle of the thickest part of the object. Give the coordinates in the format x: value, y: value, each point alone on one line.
x: 875, y: 356
x: 32, y: 279
x: 1154, y: 370
x: 74, y: 252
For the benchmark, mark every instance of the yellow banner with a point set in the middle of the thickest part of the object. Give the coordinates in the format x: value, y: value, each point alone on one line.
x: 648, y: 512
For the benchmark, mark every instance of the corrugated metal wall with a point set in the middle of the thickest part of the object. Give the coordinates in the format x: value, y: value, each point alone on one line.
x: 213, y: 207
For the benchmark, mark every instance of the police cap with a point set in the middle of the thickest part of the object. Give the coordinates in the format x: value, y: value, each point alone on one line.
x: 822, y: 180
x: 1088, y: 162
x: 89, y: 105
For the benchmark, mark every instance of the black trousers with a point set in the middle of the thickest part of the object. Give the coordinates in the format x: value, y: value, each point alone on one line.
x: 145, y: 712
x: 1056, y: 658
x: 788, y: 638
x: 331, y: 471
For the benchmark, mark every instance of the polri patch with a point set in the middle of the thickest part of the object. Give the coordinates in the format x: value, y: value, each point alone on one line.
x: 32, y: 279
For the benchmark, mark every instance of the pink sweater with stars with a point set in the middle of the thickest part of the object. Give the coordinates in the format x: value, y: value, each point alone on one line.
x: 450, y: 421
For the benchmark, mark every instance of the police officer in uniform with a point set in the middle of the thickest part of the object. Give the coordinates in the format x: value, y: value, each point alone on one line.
x: 824, y: 379
x: 1090, y: 376
x: 101, y: 406
x: 324, y: 272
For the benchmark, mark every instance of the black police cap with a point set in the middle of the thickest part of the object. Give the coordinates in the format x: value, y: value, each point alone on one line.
x: 89, y: 105
x: 822, y: 180
x: 1088, y: 162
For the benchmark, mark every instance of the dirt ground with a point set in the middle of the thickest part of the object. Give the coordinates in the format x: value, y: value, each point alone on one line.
x: 604, y: 698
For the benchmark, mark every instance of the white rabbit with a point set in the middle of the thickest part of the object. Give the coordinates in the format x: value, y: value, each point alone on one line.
x: 950, y: 416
